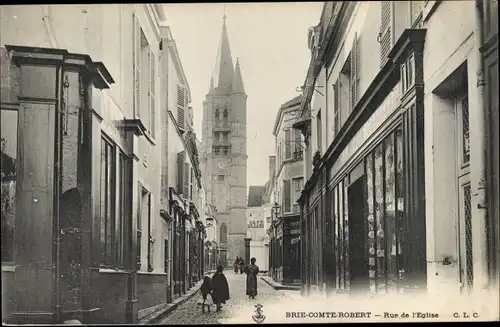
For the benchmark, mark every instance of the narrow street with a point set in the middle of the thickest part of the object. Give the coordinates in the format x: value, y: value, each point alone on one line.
x: 239, y: 308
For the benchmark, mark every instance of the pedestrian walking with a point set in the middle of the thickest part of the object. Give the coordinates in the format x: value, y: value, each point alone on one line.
x: 242, y: 265
x: 236, y: 265
x: 220, y: 288
x: 252, y: 270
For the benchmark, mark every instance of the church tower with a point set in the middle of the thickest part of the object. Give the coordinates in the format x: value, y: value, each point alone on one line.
x: 224, y: 154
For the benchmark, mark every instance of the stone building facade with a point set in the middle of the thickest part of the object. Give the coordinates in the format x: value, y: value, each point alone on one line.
x: 83, y: 100
x: 389, y: 206
x: 224, y: 151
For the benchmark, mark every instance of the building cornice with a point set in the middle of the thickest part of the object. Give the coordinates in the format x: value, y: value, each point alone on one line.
x: 295, y: 106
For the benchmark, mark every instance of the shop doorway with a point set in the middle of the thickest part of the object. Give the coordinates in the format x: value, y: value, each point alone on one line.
x: 357, y: 237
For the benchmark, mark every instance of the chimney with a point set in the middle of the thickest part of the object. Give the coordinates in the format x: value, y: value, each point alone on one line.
x: 272, y: 166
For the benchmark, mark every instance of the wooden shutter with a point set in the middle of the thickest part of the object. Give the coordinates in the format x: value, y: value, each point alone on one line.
x: 139, y: 227
x: 181, y: 156
x: 185, y: 184
x: 288, y: 141
x: 152, y: 95
x: 336, y: 107
x: 150, y: 233
x: 386, y: 13
x: 137, y: 67
x: 181, y: 103
x: 354, y: 72
x: 286, y: 195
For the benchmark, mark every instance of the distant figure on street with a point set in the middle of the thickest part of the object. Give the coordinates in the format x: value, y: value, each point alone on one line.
x: 252, y: 270
x: 236, y: 265
x: 220, y: 288
x: 205, y: 290
x: 242, y: 265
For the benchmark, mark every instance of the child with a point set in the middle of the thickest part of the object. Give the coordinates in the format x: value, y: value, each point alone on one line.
x: 206, y: 289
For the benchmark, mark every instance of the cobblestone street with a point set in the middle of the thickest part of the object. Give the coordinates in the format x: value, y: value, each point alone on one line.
x: 239, y: 308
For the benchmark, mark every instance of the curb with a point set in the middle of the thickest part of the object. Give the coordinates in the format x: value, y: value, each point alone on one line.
x: 161, y: 314
x: 280, y: 287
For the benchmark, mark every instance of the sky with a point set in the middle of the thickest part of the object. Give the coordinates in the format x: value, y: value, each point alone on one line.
x: 270, y: 40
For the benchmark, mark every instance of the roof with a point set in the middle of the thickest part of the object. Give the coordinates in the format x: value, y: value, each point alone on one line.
x: 289, y: 104
x: 256, y: 195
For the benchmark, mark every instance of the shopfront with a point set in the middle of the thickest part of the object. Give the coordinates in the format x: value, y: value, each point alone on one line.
x: 363, y: 210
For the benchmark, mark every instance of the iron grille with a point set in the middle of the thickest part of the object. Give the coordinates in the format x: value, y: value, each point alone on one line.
x: 468, y: 237
x: 465, y: 129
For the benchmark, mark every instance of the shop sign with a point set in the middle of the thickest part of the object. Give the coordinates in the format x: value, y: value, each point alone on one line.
x: 255, y: 224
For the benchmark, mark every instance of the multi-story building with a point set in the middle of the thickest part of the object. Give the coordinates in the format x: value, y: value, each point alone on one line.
x: 184, y: 192
x: 224, y: 151
x: 399, y: 195
x: 289, y: 183
x: 84, y: 162
x: 258, y: 221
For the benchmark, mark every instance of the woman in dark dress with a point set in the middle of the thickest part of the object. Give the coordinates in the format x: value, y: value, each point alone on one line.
x: 220, y: 288
x: 242, y: 265
x: 252, y: 270
x: 236, y: 265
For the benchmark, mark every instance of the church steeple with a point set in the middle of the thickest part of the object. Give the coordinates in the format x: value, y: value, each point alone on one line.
x: 237, y: 79
x: 223, y: 74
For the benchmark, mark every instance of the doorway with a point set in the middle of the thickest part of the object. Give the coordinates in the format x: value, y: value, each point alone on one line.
x: 357, y: 237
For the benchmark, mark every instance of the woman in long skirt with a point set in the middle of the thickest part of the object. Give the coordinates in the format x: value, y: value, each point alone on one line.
x: 252, y: 270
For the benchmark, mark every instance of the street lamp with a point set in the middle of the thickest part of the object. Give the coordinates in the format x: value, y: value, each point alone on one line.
x: 276, y: 209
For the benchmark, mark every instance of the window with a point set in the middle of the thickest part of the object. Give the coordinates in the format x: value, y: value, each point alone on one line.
x: 191, y: 184
x: 408, y: 74
x: 225, y: 150
x: 297, y: 186
x: 223, y: 233
x: 336, y: 107
x: 416, y: 8
x: 217, y: 116
x: 225, y: 117
x: 220, y: 178
x: 108, y: 208
x: 181, y: 159
x: 288, y: 145
x: 354, y: 73
x: 226, y: 136
x: 286, y: 196
x: 386, y: 35
x: 121, y: 213
x: 181, y: 107
x: 146, y: 217
x: 216, y: 149
x: 144, y: 72
x: 8, y: 145
x: 319, y: 131
x: 297, y: 149
x: 463, y: 108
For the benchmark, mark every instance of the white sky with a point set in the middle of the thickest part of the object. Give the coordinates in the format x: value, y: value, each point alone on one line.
x: 270, y: 40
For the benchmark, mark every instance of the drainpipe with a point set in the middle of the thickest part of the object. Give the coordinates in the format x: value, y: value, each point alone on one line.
x: 481, y: 264
x: 48, y: 26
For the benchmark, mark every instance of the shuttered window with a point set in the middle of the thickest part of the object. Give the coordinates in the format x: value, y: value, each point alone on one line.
x: 288, y: 141
x: 181, y: 157
x: 287, y: 196
x: 185, y: 185
x: 181, y: 106
x: 191, y: 190
x: 298, y: 141
x: 137, y: 66
x: 152, y: 99
x: 336, y: 107
x: 354, y: 78
x: 386, y: 30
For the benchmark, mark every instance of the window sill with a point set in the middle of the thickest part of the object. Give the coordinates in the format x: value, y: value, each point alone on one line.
x: 152, y: 273
x: 8, y: 268
x: 111, y: 271
x: 150, y: 138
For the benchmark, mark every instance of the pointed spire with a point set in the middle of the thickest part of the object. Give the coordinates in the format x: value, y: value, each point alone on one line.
x: 212, y: 88
x: 238, y: 86
x: 223, y: 75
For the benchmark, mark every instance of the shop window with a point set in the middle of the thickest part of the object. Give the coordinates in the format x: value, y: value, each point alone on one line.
x: 108, y: 201
x: 8, y: 145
